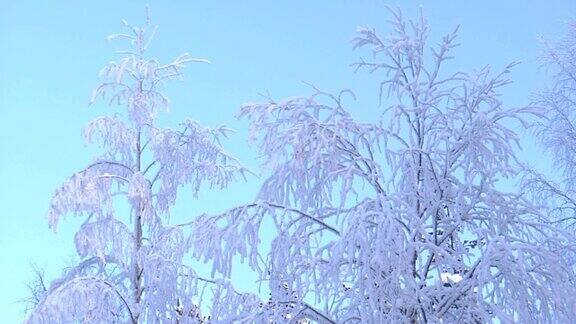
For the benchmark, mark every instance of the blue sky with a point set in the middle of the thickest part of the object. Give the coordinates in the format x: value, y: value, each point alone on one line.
x: 51, y: 52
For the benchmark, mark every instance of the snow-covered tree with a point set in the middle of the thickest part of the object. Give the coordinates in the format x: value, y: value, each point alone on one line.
x: 558, y: 131
x: 557, y: 134
x: 402, y: 219
x: 132, y: 267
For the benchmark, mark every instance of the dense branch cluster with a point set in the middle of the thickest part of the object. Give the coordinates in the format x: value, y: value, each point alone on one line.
x: 398, y: 220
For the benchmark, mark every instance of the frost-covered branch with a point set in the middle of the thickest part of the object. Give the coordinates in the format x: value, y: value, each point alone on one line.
x: 413, y: 198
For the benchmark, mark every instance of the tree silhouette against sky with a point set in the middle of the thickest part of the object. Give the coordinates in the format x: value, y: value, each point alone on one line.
x: 397, y: 220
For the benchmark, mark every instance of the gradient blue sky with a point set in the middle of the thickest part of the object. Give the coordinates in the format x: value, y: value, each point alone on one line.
x: 51, y: 52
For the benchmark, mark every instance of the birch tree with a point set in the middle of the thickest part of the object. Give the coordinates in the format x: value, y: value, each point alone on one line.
x: 557, y: 135
x: 401, y: 219
x: 397, y: 220
x: 132, y: 267
x: 557, y: 132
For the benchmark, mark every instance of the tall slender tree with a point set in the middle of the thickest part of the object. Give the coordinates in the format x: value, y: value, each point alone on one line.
x: 401, y: 220
x: 557, y: 132
x: 557, y: 135
x: 131, y: 267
